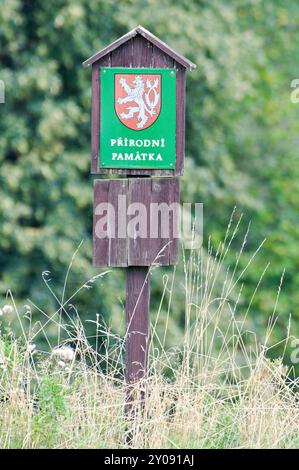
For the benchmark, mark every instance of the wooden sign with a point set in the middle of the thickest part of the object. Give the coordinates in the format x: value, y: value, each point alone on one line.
x: 138, y: 49
x: 127, y: 225
x: 137, y: 129
x: 138, y: 124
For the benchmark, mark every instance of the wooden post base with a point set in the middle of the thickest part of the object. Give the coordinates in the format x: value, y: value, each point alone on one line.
x: 137, y: 323
x: 137, y: 333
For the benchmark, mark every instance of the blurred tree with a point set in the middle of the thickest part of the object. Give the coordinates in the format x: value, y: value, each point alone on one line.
x: 242, y: 140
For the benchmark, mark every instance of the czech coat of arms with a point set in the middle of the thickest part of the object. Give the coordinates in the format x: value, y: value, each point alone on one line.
x: 137, y: 99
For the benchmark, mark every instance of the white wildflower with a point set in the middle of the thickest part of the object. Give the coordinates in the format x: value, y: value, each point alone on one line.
x: 55, y: 352
x: 2, y: 357
x: 31, y: 348
x: 65, y: 353
x: 7, y: 310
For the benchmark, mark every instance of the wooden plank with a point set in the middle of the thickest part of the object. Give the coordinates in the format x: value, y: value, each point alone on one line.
x: 95, y: 117
x: 137, y: 324
x: 165, y: 191
x: 142, y: 52
x: 139, y: 30
x: 133, y: 250
x: 135, y: 172
x: 139, y: 191
x: 174, y: 241
x: 165, y: 48
x: 123, y: 55
x: 118, y: 244
x: 161, y: 60
x: 110, y: 48
x: 159, y: 250
x: 100, y: 246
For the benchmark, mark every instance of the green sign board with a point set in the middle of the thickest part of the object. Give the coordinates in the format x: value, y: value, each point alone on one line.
x: 138, y: 118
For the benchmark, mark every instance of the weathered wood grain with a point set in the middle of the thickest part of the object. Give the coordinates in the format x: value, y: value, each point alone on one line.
x: 174, y: 192
x: 100, y: 247
x: 123, y: 55
x: 140, y: 249
x: 161, y: 60
x: 137, y: 323
x: 160, y: 194
x: 142, y: 52
x: 95, y: 117
x: 137, y: 251
x: 140, y: 31
x: 118, y: 245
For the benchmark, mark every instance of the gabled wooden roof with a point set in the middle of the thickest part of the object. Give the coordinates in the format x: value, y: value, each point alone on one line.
x: 151, y: 38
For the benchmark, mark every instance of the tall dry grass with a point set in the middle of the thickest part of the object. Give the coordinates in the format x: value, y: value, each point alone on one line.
x: 219, y: 390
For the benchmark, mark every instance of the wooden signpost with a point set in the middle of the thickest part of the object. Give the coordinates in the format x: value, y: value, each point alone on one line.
x: 137, y: 130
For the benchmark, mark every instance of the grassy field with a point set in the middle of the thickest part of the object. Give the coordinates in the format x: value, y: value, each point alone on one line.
x: 219, y: 390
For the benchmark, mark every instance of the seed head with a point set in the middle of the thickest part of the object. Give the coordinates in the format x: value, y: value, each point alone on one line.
x: 65, y: 353
x: 31, y: 348
x: 7, y: 310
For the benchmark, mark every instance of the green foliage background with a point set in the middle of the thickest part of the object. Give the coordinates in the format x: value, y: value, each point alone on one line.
x: 241, y: 145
